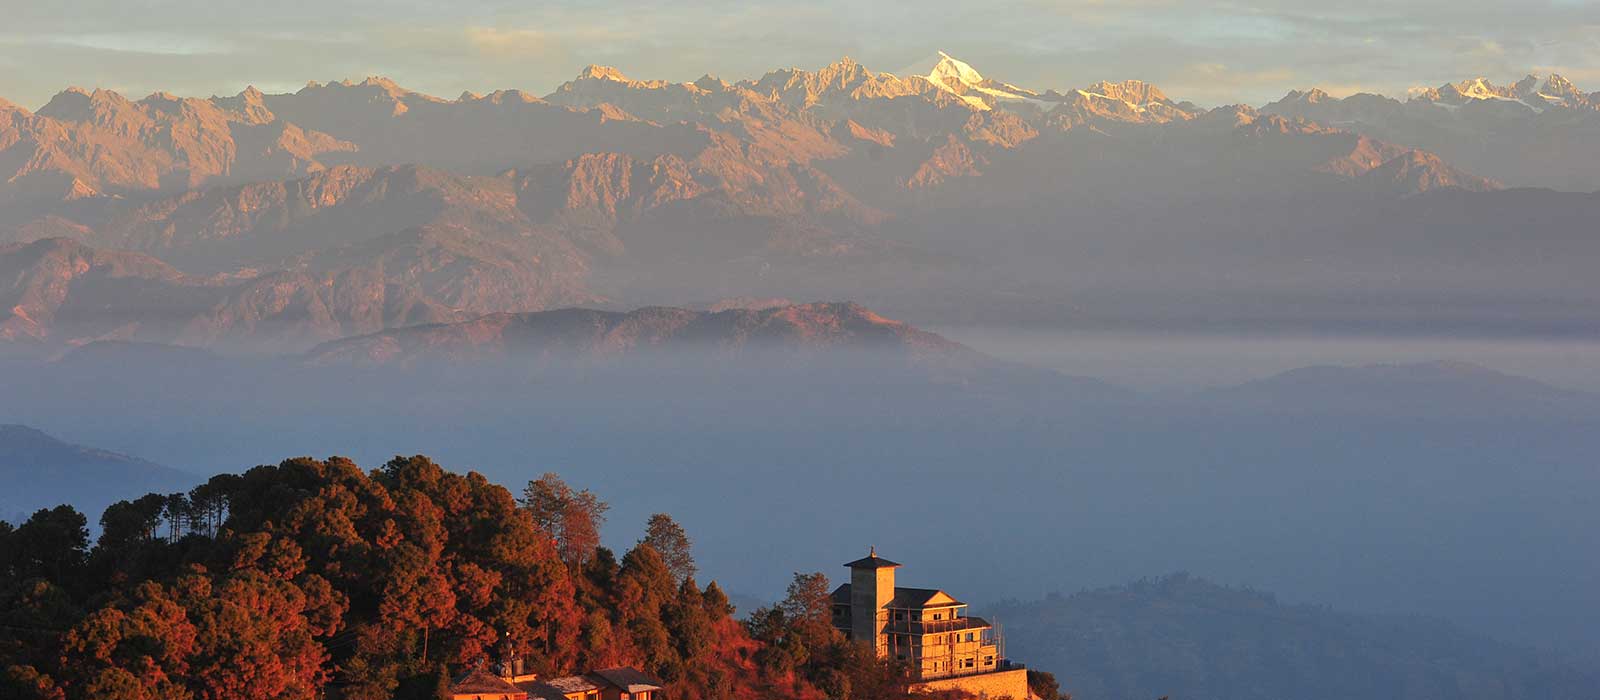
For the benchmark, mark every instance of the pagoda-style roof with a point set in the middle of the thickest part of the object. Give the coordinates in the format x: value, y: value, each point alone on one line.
x: 561, y: 687
x: 872, y: 561
x: 628, y: 678
x: 480, y: 682
x: 905, y: 598
x: 917, y: 598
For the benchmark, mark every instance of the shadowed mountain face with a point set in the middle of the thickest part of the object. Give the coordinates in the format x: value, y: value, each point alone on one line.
x: 1151, y: 638
x: 41, y: 471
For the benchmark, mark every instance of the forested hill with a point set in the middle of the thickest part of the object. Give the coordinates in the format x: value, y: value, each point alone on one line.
x: 316, y: 579
x: 1194, y: 639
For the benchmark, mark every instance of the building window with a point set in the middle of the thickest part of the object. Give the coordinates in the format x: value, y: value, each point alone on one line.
x: 969, y: 636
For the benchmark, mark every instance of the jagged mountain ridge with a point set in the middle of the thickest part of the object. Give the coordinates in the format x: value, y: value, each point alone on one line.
x: 1532, y: 132
x: 377, y: 123
x: 739, y: 133
x: 615, y: 187
x: 1552, y: 92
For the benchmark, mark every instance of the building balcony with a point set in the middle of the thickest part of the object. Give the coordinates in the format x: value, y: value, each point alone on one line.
x: 1001, y: 665
x: 913, y: 627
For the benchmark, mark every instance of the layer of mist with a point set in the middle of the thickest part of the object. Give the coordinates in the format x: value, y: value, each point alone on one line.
x: 1439, y: 488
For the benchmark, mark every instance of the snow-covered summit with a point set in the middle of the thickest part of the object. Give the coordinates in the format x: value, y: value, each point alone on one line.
x: 1531, y: 92
x: 950, y: 71
x: 959, y: 78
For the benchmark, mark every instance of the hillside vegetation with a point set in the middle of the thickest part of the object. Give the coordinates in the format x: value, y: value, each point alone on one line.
x: 316, y: 579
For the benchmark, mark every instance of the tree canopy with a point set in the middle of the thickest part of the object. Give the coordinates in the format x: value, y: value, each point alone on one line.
x: 318, y: 579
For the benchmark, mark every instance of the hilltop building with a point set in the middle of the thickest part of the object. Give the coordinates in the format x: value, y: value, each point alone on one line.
x: 943, y: 648
x: 927, y: 629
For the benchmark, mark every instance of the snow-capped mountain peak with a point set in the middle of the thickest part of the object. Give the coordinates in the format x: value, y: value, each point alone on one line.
x: 951, y: 72
x: 1555, y: 84
x: 1477, y: 88
x: 959, y: 78
x: 1538, y: 95
x: 598, y: 72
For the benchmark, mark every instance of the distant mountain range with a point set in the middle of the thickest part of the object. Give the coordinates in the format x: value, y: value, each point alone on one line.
x: 86, y: 145
x: 1182, y: 635
x: 1439, y: 387
x: 41, y: 471
x: 1534, y: 132
x: 62, y: 292
x: 347, y: 208
x: 590, y: 335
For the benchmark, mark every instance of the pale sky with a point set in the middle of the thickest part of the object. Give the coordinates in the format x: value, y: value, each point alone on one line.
x: 1209, y: 52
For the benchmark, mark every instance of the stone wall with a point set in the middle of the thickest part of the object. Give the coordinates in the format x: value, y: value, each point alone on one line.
x: 987, y: 686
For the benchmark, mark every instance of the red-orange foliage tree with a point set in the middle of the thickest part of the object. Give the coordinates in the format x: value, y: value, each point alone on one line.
x: 316, y: 579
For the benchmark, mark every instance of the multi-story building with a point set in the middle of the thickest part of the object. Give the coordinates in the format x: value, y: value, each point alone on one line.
x: 926, y: 628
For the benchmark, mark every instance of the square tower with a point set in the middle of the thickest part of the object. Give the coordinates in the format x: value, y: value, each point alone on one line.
x: 871, y: 589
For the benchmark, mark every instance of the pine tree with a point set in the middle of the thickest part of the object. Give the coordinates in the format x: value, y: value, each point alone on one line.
x: 669, y: 540
x: 716, y: 602
x: 571, y: 518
